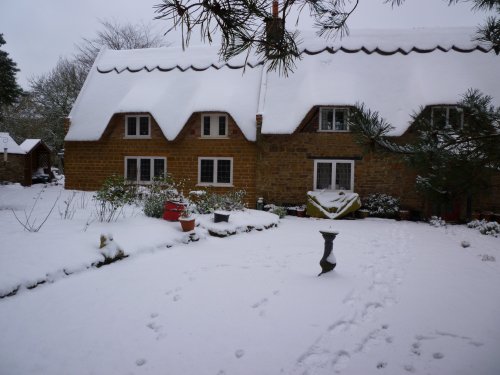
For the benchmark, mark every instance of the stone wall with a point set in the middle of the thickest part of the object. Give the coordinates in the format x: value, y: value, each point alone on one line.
x: 87, y: 164
x: 285, y: 167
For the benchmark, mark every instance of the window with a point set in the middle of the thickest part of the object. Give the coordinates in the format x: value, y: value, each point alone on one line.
x: 137, y: 127
x: 445, y: 116
x: 334, y: 175
x: 144, y: 169
x: 214, y: 125
x: 333, y: 119
x: 215, y: 171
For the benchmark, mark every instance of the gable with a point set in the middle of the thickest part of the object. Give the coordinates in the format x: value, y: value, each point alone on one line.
x: 171, y: 96
x: 396, y: 85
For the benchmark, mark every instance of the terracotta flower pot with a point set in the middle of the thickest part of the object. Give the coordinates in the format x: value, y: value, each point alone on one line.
x: 404, y: 215
x: 187, y: 224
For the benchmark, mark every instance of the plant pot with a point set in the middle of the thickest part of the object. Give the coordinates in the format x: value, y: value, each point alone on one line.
x: 487, y: 215
x: 291, y: 211
x: 404, y: 215
x: 172, y: 210
x: 187, y: 224
x: 301, y: 212
x: 363, y: 214
x: 475, y: 216
x: 221, y: 216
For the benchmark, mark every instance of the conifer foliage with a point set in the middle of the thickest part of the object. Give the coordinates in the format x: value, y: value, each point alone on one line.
x: 9, y: 89
x: 454, y: 160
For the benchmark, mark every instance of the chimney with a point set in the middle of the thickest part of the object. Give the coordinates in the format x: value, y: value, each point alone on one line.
x: 274, y: 31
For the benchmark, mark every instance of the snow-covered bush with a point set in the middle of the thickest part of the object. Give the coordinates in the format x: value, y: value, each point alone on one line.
x: 277, y: 210
x: 381, y: 205
x: 437, y: 222
x: 114, y: 194
x: 207, y: 201
x: 160, y: 191
x: 491, y: 228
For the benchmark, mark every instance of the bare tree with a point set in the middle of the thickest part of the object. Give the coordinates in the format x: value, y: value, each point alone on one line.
x: 117, y: 36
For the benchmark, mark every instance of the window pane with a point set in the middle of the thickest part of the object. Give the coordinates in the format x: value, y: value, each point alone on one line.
x: 455, y: 118
x: 323, y: 175
x: 343, y: 176
x: 327, y: 119
x: 144, y: 126
x: 206, y: 125
x: 439, y: 117
x: 222, y: 125
x: 159, y: 168
x: 340, y: 119
x: 223, y: 171
x: 131, y: 126
x: 131, y: 171
x: 206, y: 170
x: 145, y: 169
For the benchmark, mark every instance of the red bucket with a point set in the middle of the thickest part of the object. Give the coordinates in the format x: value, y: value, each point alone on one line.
x: 172, y: 210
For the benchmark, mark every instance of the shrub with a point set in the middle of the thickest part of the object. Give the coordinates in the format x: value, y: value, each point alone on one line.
x: 381, y: 205
x: 114, y: 194
x: 491, y: 228
x: 277, y: 210
x: 437, y: 222
x: 160, y: 191
x: 207, y: 201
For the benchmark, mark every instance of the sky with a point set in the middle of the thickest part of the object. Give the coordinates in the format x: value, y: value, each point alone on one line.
x: 39, y: 33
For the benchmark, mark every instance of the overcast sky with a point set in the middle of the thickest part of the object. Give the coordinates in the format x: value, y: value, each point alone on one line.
x: 39, y: 32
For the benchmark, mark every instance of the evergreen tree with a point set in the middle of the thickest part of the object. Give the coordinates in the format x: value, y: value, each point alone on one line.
x: 244, y: 25
x: 454, y: 160
x: 9, y: 89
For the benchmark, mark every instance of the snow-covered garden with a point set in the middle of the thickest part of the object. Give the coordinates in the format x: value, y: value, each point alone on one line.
x: 405, y: 297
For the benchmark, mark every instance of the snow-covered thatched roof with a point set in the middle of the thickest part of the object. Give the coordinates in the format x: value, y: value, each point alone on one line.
x: 7, y: 142
x: 394, y: 72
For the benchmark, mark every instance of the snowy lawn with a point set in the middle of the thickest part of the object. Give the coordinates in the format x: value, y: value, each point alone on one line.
x: 405, y: 298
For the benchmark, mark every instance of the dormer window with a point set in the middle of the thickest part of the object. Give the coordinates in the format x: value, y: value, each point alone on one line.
x: 137, y: 127
x: 214, y: 125
x: 333, y: 119
x: 447, y: 116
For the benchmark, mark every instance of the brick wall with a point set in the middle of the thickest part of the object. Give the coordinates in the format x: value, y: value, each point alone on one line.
x: 87, y: 164
x: 14, y: 169
x: 285, y: 167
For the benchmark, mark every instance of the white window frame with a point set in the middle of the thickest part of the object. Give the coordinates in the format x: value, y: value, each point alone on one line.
x: 335, y: 109
x: 137, y: 127
x: 448, y: 107
x: 215, y: 183
x: 334, y: 172
x: 138, y: 159
x: 214, y: 125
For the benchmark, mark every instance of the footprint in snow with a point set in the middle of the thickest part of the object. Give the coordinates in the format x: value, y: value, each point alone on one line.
x: 140, y: 362
x: 263, y: 301
x: 438, y: 355
x: 239, y: 353
x: 176, y: 298
x: 154, y: 315
x: 381, y: 365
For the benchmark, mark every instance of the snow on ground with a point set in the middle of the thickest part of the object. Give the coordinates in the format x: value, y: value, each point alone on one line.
x: 405, y: 298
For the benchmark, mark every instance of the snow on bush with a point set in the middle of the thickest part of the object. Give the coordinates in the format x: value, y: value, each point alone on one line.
x: 437, y: 222
x: 110, y: 199
x: 491, y: 228
x: 381, y: 205
x: 159, y: 192
x: 207, y: 201
x: 277, y: 210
